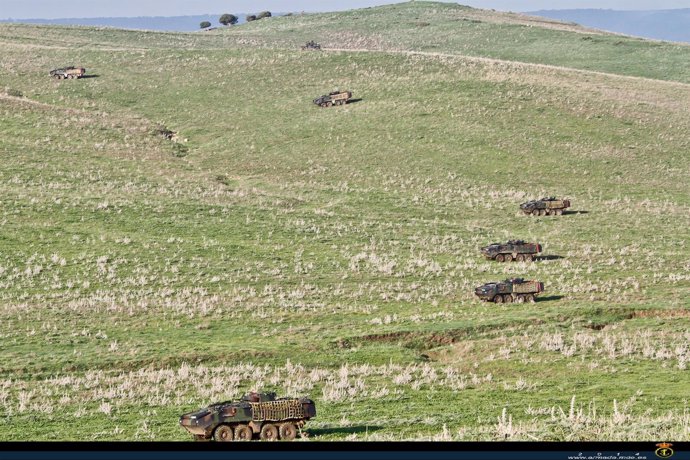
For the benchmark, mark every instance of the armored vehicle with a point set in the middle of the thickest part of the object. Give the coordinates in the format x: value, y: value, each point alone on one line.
x: 511, y: 290
x: 255, y: 414
x: 311, y: 45
x: 512, y: 250
x: 545, y: 207
x: 68, y: 72
x: 333, y: 98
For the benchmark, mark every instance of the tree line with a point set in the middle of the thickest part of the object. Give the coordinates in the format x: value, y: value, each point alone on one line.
x: 230, y: 19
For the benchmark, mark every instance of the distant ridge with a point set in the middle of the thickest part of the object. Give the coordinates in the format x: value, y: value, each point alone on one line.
x: 162, y: 23
x: 671, y: 25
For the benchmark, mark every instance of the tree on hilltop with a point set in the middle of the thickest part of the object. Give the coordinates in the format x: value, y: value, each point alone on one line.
x: 264, y: 14
x: 205, y: 24
x: 228, y: 19
x: 251, y: 18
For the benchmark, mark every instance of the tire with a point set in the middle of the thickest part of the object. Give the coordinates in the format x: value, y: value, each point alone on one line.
x: 535, y: 212
x: 530, y: 298
x: 329, y: 104
x: 559, y: 212
x: 498, y: 298
x: 520, y: 299
x: 223, y: 433
x: 520, y: 257
x: 243, y: 433
x: 269, y: 432
x: 288, y: 431
x: 508, y: 257
x: 542, y: 212
x: 507, y: 298
x: 499, y: 258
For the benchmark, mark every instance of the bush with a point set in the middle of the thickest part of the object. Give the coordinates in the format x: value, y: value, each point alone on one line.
x: 228, y: 19
x: 205, y: 24
x: 13, y: 92
x: 180, y: 151
x: 251, y: 18
x: 264, y: 14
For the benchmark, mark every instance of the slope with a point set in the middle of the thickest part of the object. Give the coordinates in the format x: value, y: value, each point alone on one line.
x: 456, y: 29
x: 334, y: 252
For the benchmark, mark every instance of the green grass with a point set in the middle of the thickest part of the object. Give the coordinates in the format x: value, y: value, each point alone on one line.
x: 334, y: 252
x: 447, y: 28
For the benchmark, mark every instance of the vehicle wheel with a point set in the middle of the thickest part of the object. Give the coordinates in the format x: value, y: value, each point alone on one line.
x: 520, y: 257
x: 529, y: 257
x: 508, y: 257
x: 328, y: 104
x: 507, y: 298
x: 542, y: 212
x: 529, y: 298
x: 519, y: 299
x: 269, y: 432
x: 498, y: 298
x: 243, y: 433
x: 223, y: 433
x: 535, y: 212
x: 288, y: 431
x: 559, y: 212
x: 499, y: 258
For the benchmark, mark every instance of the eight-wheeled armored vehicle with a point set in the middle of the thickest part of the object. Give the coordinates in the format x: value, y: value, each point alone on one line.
x: 512, y: 250
x: 68, y: 72
x: 511, y: 290
x: 311, y: 45
x: 333, y: 98
x: 545, y: 207
x: 254, y: 415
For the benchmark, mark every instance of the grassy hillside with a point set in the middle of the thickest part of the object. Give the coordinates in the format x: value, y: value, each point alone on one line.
x: 333, y: 252
x: 454, y: 29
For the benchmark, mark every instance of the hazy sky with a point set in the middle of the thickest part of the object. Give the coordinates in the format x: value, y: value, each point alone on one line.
x: 49, y: 9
